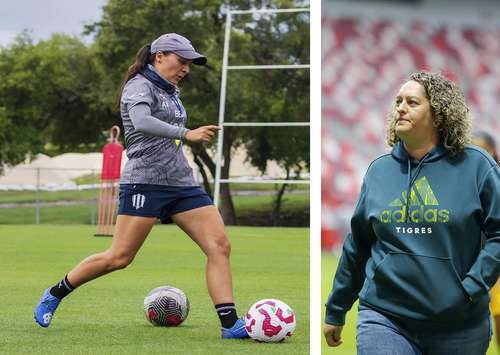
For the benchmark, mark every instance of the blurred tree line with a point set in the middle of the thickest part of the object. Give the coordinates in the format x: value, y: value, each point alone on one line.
x: 59, y: 95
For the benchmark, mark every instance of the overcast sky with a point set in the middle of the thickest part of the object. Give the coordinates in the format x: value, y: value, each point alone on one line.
x: 46, y: 17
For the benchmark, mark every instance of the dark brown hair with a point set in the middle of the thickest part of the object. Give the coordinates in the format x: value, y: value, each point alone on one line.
x: 142, y: 59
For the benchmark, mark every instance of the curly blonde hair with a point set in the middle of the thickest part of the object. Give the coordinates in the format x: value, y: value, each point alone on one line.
x: 449, y: 110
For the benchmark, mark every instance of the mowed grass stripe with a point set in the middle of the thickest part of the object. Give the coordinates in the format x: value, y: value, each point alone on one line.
x: 25, y: 196
x: 106, y: 316
x: 247, y: 207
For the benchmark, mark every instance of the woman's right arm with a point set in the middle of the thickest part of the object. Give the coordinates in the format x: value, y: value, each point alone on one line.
x: 350, y: 274
x: 137, y: 99
x: 143, y: 122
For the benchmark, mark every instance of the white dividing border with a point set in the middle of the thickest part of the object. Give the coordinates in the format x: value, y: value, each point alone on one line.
x: 315, y: 300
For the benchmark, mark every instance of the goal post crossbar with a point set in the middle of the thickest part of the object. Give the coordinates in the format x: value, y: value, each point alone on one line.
x: 222, y: 103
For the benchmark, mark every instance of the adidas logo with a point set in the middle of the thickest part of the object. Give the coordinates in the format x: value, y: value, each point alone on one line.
x: 422, y: 206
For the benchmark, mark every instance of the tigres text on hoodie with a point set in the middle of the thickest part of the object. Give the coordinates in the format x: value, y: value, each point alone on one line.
x: 424, y: 247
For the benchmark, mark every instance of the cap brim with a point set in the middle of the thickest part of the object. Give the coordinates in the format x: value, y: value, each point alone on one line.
x: 196, y: 57
x: 200, y: 60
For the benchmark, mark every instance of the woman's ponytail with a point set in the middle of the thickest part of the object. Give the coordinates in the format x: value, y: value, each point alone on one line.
x: 142, y: 59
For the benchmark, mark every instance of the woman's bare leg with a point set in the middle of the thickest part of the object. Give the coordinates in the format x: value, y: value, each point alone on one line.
x: 205, y: 227
x: 130, y: 233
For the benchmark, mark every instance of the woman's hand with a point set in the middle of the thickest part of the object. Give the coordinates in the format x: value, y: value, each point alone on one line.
x: 333, y: 334
x: 201, y: 134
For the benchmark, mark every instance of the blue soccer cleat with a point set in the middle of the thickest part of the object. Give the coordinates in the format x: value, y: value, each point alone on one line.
x: 237, y: 331
x: 45, y: 309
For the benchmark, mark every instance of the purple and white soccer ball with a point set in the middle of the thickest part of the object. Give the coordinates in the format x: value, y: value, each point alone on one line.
x: 166, y: 306
x: 270, y: 321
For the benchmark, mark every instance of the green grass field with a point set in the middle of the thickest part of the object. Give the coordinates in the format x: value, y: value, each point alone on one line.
x: 249, y: 209
x: 106, y: 315
x: 92, y: 194
x: 328, y: 267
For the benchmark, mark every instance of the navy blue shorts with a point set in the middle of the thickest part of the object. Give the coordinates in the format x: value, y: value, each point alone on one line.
x: 160, y: 201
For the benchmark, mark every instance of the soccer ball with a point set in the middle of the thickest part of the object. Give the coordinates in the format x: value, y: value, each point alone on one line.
x: 166, y: 306
x: 270, y: 321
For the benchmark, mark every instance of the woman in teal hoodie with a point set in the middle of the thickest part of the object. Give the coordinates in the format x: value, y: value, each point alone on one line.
x: 424, y: 246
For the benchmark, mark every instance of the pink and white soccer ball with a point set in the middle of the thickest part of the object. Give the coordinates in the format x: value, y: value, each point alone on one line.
x: 270, y: 321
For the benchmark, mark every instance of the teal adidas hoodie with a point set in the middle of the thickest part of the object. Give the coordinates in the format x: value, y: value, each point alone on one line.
x: 430, y: 258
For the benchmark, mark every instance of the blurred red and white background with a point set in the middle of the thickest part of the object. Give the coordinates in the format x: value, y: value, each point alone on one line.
x: 368, y: 51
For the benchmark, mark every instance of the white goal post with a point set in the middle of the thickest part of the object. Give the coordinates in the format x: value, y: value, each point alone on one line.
x: 222, y: 123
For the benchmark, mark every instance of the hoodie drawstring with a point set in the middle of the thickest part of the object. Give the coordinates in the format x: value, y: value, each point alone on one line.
x: 408, y: 187
x: 410, y: 182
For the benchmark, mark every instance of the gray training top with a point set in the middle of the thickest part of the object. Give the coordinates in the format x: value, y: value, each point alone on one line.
x: 154, y: 123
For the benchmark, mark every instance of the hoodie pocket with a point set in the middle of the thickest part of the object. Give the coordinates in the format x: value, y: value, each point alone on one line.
x: 417, y: 287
